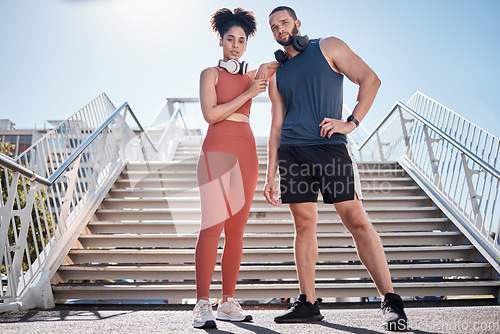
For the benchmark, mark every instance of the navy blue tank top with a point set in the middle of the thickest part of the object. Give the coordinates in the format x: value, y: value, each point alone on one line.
x: 312, y: 90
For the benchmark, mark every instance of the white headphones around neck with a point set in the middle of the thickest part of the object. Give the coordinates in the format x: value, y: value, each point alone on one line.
x: 233, y: 66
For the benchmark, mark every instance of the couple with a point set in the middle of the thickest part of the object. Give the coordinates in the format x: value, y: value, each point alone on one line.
x: 307, y: 132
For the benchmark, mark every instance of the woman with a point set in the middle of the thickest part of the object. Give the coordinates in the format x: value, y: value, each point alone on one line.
x: 228, y: 166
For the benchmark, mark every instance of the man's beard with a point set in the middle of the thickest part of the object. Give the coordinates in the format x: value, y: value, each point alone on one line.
x: 294, y: 33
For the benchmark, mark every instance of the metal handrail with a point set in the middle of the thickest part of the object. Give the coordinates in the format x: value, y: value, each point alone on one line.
x: 6, y: 162
x: 170, y: 124
x: 140, y: 126
x: 492, y: 170
x: 55, y: 129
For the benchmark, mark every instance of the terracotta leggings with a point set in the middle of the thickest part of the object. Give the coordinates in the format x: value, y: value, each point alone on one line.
x: 227, y: 176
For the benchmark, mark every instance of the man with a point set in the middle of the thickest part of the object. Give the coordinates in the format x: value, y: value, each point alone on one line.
x: 308, y: 137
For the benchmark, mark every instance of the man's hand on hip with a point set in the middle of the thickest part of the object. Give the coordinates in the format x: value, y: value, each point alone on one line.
x: 329, y: 126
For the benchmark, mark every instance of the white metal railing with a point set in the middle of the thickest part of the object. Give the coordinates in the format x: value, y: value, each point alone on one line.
x: 51, y: 190
x: 480, y: 142
x: 452, y: 159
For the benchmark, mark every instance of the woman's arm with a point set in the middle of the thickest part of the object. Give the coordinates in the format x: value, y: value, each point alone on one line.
x: 212, y: 112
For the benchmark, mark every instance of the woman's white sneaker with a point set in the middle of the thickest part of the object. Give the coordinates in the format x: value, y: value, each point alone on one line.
x: 231, y: 311
x: 203, y: 316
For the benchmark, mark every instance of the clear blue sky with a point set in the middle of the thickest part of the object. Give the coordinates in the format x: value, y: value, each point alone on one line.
x: 56, y: 56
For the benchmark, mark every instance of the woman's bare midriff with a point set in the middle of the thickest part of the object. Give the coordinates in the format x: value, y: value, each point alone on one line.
x: 238, y: 118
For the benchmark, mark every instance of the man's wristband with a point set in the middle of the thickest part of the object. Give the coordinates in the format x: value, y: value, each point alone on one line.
x: 352, y: 119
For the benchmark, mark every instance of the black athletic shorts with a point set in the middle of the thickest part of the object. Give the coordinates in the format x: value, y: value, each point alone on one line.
x: 329, y: 168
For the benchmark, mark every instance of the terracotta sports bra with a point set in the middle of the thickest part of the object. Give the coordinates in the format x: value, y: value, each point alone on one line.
x: 230, y: 86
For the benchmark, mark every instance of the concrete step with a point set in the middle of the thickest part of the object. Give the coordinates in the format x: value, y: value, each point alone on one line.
x: 276, y: 290
x: 152, y: 182
x: 268, y: 255
x: 190, y: 154
x: 192, y: 148
x: 379, y: 191
x: 191, y: 164
x: 280, y: 213
x: 191, y: 173
x: 259, y: 240
x: 179, y: 273
x: 268, y: 226
x: 258, y: 202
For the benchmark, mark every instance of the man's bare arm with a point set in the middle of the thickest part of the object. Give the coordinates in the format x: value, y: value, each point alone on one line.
x: 278, y: 115
x: 345, y: 61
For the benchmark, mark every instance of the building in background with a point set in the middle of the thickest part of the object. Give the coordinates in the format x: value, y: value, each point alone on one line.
x: 20, y: 138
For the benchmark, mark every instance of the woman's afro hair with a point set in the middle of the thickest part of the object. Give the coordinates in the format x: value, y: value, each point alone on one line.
x: 224, y: 19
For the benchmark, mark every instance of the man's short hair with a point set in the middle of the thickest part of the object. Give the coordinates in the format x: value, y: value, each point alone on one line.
x: 290, y: 11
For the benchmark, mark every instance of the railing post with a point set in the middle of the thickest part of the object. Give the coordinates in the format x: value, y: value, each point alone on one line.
x: 380, y: 147
x: 406, y: 136
x: 101, y: 156
x: 5, y: 219
x: 122, y: 142
x: 67, y: 200
x: 473, y: 195
x: 497, y: 238
x: 10, y: 293
x: 24, y: 215
x: 434, y: 161
x: 185, y: 124
x: 171, y: 109
x: 361, y: 154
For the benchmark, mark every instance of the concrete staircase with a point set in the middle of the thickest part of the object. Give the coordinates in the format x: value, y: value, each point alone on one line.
x: 140, y: 244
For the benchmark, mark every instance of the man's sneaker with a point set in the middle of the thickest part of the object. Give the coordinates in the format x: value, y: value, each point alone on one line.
x: 394, y: 315
x: 203, y: 316
x: 231, y: 311
x: 301, y: 311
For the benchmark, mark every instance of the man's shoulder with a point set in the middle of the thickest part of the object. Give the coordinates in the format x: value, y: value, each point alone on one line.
x: 332, y: 47
x: 332, y: 40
